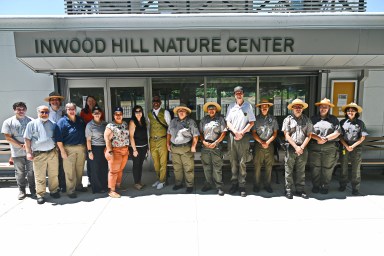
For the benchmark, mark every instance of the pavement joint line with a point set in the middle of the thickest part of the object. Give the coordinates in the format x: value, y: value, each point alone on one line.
x: 13, y: 207
x: 91, y: 226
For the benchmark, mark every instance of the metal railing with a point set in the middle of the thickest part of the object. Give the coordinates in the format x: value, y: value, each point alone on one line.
x: 214, y: 6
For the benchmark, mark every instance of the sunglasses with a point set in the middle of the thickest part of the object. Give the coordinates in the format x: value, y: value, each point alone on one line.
x: 44, y: 112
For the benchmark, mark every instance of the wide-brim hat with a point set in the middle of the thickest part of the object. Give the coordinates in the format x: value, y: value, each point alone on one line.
x: 54, y: 95
x: 238, y: 88
x: 352, y: 105
x: 264, y: 102
x: 297, y: 102
x: 182, y: 106
x: 325, y: 101
x: 206, y: 105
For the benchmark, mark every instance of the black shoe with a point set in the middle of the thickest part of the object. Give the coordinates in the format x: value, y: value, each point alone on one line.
x: 324, y: 191
x: 189, y: 190
x: 206, y: 187
x: 82, y: 189
x: 220, y: 192
x: 288, y: 194
x: 256, y: 189
x: 242, y: 192
x: 355, y: 192
x: 233, y: 189
x: 55, y: 195
x: 73, y: 195
x: 177, y: 187
x: 40, y: 200
x: 33, y: 196
x: 269, y: 189
x: 302, y: 195
x: 315, y: 190
x: 342, y: 188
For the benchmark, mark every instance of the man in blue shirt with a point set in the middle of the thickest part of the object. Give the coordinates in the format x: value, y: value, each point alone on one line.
x: 40, y: 148
x: 70, y: 138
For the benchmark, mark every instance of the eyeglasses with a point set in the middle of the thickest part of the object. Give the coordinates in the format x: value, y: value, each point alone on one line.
x: 137, y: 111
x: 44, y: 112
x: 54, y: 99
x: 351, y: 111
x: 297, y: 107
x: 118, y: 114
x: 71, y: 109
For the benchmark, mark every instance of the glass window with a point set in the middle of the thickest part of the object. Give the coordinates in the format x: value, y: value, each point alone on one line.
x: 187, y: 90
x: 79, y: 95
x: 127, y: 98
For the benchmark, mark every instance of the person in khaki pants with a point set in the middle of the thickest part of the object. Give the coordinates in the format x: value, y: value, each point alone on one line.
x: 158, y: 120
x: 70, y: 138
x: 40, y: 148
x: 181, y: 142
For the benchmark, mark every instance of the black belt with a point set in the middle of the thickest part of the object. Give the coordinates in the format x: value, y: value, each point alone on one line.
x: 41, y: 152
x: 210, y: 141
x: 157, y: 137
x: 182, y: 145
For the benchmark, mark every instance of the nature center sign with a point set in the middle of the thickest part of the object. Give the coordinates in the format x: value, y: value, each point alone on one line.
x: 160, y: 42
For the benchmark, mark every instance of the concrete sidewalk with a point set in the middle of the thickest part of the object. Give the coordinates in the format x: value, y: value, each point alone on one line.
x: 163, y: 222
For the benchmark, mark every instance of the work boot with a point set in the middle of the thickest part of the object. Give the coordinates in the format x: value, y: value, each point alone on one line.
x: 22, y: 193
x: 33, y: 192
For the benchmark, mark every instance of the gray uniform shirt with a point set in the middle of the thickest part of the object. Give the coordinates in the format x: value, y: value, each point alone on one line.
x: 240, y: 116
x: 95, y: 132
x: 265, y: 126
x: 297, y: 128
x: 352, y: 131
x: 182, y: 131
x: 16, y: 128
x: 212, y: 128
x: 55, y: 116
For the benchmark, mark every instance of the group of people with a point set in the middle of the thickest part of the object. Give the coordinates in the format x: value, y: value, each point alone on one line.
x: 59, y: 141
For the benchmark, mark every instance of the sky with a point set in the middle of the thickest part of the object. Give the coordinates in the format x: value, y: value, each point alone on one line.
x: 56, y: 7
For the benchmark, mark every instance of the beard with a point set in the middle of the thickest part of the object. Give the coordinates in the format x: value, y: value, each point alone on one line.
x: 44, y: 119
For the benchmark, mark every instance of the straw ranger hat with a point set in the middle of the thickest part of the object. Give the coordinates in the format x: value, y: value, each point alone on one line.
x: 206, y: 105
x: 325, y: 101
x: 54, y: 95
x: 264, y: 102
x: 182, y: 106
x: 352, y: 105
x: 297, y: 102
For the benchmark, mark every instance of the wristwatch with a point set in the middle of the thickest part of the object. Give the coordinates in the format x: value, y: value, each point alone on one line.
x: 89, y: 150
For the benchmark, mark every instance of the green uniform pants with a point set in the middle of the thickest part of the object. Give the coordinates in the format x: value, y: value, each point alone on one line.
x: 212, y: 161
x: 355, y: 158
x: 264, y: 156
x: 295, y: 169
x: 322, y: 160
x: 159, y: 154
x: 183, y: 165
x: 239, y: 156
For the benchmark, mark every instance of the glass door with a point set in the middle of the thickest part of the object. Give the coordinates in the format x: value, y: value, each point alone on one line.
x: 127, y: 93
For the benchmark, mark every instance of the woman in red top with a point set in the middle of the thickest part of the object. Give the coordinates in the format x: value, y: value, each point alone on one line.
x: 86, y: 113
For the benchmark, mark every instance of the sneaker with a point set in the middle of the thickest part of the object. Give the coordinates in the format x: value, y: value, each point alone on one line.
x: 177, y: 187
x: 342, y: 188
x: 355, y: 192
x: 22, y: 194
x: 40, y: 200
x: 288, y: 194
x: 269, y: 189
x: 206, y: 187
x: 242, y: 192
x: 55, y: 195
x: 160, y: 185
x: 233, y: 189
x: 256, y: 189
x: 138, y: 187
x: 189, y: 190
x: 155, y: 184
x: 315, y: 190
x: 220, y: 192
x: 113, y: 194
x: 302, y: 194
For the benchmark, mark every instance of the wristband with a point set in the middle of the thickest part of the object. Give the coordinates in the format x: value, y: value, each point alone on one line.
x: 89, y: 150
